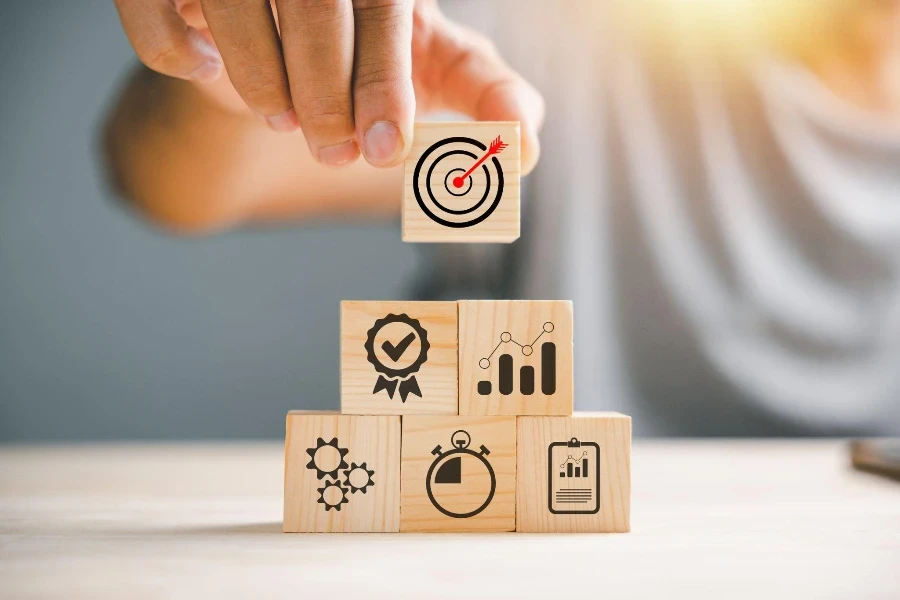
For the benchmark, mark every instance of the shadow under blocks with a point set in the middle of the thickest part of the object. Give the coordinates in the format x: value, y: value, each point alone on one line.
x: 457, y: 417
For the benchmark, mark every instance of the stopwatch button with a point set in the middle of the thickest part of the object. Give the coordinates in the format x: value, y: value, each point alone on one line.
x: 437, y: 451
x: 484, y: 451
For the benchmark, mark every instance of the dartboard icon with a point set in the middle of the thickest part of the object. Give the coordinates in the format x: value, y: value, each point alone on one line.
x: 458, y: 181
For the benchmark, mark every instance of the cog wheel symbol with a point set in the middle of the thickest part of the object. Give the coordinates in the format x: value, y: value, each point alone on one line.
x: 332, y: 499
x: 327, y: 458
x: 358, y: 478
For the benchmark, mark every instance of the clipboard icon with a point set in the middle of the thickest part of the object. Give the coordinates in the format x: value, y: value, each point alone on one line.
x: 573, y: 477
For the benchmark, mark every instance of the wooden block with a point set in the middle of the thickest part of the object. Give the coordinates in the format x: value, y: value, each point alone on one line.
x: 399, y: 358
x: 458, y: 474
x: 341, y: 473
x: 574, y: 473
x: 515, y: 357
x: 451, y: 194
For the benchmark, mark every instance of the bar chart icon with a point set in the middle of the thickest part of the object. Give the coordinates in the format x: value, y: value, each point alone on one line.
x: 573, y: 471
x: 527, y: 376
x: 575, y: 467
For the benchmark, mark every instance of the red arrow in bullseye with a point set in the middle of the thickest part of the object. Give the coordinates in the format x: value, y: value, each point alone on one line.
x: 496, y: 147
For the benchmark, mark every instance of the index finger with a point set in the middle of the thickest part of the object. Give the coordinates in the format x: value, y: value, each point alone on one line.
x: 384, y: 101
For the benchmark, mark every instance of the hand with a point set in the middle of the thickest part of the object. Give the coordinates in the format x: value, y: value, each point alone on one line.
x: 348, y: 73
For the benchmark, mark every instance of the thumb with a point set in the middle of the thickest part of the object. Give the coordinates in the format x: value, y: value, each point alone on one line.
x: 474, y: 80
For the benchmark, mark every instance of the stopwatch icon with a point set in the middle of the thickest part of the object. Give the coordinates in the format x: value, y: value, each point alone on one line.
x: 456, y: 468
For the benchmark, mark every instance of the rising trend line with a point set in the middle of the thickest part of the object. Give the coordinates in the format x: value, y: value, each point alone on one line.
x: 531, y: 345
x: 573, y: 459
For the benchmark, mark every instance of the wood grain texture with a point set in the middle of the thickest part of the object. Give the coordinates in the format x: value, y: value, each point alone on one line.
x: 374, y: 441
x: 483, y: 324
x: 437, y: 376
x: 503, y: 223
x: 421, y: 436
x: 712, y: 519
x: 612, y: 433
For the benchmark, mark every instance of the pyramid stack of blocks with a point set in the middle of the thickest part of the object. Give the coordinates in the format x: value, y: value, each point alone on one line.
x: 457, y: 417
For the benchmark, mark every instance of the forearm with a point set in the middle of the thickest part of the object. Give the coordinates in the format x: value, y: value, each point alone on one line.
x: 190, y: 164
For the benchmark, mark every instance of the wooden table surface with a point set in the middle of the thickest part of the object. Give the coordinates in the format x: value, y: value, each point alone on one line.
x: 710, y: 519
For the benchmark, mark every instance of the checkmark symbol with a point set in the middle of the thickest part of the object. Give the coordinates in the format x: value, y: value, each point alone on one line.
x: 395, y: 352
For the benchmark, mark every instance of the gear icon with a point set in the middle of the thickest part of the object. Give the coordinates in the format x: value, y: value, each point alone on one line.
x: 327, y: 458
x: 358, y: 477
x: 332, y: 499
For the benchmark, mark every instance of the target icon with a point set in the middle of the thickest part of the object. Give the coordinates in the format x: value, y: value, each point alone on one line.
x: 458, y: 181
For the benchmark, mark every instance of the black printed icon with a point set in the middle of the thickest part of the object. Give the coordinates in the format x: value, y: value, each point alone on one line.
x: 359, y: 478
x: 449, y: 178
x: 332, y: 495
x: 505, y: 367
x: 573, y: 477
x: 327, y: 459
x: 457, y: 467
x: 405, y: 354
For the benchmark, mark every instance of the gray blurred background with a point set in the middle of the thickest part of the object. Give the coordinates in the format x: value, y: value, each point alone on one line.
x: 110, y: 329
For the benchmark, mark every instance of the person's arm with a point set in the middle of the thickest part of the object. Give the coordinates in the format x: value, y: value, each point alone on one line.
x: 191, y: 155
x: 188, y: 163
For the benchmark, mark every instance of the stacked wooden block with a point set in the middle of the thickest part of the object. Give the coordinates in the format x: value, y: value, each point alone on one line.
x: 457, y: 416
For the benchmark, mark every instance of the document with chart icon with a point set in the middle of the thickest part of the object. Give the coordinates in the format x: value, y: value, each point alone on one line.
x: 573, y: 472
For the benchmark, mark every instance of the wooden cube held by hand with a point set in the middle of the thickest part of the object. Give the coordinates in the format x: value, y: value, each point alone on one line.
x: 462, y: 183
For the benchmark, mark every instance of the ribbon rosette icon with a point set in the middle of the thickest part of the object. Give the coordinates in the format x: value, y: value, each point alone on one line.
x: 388, y: 377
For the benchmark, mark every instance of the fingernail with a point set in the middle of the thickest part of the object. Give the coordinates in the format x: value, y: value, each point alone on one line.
x: 208, y: 71
x: 382, y: 143
x: 339, y: 154
x: 285, y: 122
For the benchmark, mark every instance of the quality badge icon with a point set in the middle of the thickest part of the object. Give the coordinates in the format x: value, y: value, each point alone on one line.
x: 400, y: 374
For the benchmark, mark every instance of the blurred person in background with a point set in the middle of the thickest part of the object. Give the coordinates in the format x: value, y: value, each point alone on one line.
x: 718, y: 188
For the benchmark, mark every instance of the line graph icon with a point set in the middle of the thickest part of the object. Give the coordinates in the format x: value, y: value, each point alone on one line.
x: 572, y: 466
x: 506, y: 367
